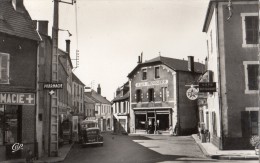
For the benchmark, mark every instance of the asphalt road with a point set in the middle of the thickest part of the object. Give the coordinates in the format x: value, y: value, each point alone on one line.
x: 139, y: 149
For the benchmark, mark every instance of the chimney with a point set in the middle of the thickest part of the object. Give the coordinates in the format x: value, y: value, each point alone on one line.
x: 18, y: 5
x: 117, y: 91
x: 43, y: 27
x: 139, y: 60
x: 191, y: 63
x: 68, y: 46
x: 99, y: 89
x: 206, y: 63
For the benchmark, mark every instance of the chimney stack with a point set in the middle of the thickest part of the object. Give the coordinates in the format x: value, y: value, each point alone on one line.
x: 99, y: 89
x: 117, y: 91
x: 68, y: 46
x: 18, y: 5
x: 43, y: 27
x: 191, y: 63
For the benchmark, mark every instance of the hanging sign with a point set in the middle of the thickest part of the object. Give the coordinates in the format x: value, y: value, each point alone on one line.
x: 17, y: 98
x: 207, y: 87
x: 192, y: 93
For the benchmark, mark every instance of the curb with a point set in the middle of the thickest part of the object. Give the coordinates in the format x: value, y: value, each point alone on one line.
x: 222, y: 157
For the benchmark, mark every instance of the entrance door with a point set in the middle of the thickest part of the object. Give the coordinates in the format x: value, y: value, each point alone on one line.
x: 151, y: 126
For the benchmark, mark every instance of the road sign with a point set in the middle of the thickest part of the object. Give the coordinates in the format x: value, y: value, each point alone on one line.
x: 207, y: 87
x: 192, y: 93
x: 52, y: 86
x: 51, y: 92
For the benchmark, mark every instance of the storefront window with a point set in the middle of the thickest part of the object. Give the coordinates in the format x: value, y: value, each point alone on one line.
x: 11, y: 127
x: 140, y: 121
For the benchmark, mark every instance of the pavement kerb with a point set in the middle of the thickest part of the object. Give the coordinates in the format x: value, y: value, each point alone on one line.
x: 223, y: 157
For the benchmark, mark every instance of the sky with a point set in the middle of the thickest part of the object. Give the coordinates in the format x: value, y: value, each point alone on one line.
x: 111, y: 34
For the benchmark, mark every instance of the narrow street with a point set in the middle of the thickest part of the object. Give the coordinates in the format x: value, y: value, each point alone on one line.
x: 133, y: 149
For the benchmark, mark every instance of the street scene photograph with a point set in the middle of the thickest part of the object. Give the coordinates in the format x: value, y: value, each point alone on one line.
x: 129, y: 81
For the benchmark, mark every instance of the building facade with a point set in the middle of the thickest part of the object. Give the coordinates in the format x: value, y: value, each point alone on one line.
x: 103, y: 109
x: 121, y: 110
x: 231, y: 113
x: 158, y: 98
x: 78, y: 114
x: 18, y: 81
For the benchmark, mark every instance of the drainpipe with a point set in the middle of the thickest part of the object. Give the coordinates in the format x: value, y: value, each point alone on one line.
x: 219, y: 82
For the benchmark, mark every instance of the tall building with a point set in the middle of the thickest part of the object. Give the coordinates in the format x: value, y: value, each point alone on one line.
x: 18, y: 82
x: 231, y: 113
x: 158, y: 101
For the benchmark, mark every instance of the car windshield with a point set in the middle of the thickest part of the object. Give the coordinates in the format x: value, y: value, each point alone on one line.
x: 93, y: 132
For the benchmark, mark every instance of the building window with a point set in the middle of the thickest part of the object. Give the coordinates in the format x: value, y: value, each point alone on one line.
x: 138, y: 95
x: 144, y: 74
x: 251, y: 76
x: 151, y: 94
x: 4, y: 68
x: 249, y: 123
x: 250, y: 29
x: 156, y: 73
x: 164, y: 93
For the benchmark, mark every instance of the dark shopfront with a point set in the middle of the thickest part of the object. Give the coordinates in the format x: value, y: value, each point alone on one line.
x: 17, y: 125
x: 153, y: 121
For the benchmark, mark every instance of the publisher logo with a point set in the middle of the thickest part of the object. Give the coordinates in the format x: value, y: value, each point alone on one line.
x: 17, y: 147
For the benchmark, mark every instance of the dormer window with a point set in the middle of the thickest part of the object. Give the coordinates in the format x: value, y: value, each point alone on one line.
x: 144, y: 74
x: 156, y: 73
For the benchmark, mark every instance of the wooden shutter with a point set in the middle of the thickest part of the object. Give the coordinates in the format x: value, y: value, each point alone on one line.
x: 245, y: 124
x: 252, y: 77
x: 251, y: 29
x: 4, y: 68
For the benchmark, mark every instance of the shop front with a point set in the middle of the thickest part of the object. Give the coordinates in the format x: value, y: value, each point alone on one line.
x: 153, y: 121
x: 17, y: 125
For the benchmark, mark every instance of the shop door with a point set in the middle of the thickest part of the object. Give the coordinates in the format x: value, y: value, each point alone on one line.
x: 151, y: 126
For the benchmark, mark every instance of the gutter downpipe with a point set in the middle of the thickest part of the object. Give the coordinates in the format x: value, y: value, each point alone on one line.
x: 219, y: 82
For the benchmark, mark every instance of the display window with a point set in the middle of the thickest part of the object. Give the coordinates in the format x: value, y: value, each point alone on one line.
x: 10, y: 124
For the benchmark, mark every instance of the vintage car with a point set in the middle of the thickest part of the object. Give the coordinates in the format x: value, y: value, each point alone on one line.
x: 91, y: 136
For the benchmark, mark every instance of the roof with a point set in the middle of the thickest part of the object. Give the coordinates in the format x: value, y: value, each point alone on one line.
x: 175, y: 64
x: 120, y: 98
x: 97, y: 97
x: 76, y: 79
x: 17, y: 23
x: 210, y: 11
x: 66, y: 54
x: 89, y: 100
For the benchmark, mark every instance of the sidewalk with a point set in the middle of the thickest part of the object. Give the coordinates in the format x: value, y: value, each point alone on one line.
x: 213, y: 152
x: 63, y: 151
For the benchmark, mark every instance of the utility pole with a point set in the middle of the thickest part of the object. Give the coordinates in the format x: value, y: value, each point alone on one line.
x: 259, y: 76
x: 54, y: 108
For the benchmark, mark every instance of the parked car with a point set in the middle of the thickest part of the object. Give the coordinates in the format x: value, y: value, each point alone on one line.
x: 91, y: 136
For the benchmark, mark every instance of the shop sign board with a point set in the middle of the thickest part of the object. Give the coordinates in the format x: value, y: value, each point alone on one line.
x: 17, y: 98
x: 52, y: 86
x: 207, y: 87
x: 152, y: 83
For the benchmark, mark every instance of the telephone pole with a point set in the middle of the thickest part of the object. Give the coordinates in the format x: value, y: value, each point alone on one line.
x: 54, y: 101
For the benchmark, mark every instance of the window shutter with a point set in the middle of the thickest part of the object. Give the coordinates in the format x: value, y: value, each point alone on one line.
x: 245, y: 124
x: 4, y: 69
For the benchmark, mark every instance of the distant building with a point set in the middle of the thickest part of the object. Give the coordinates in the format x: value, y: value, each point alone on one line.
x: 231, y: 113
x: 18, y: 80
x: 103, y: 109
x: 89, y: 107
x: 158, y: 96
x: 121, y: 110
x: 78, y: 114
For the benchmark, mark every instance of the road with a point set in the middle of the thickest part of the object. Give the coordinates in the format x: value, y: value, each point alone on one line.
x: 139, y: 149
